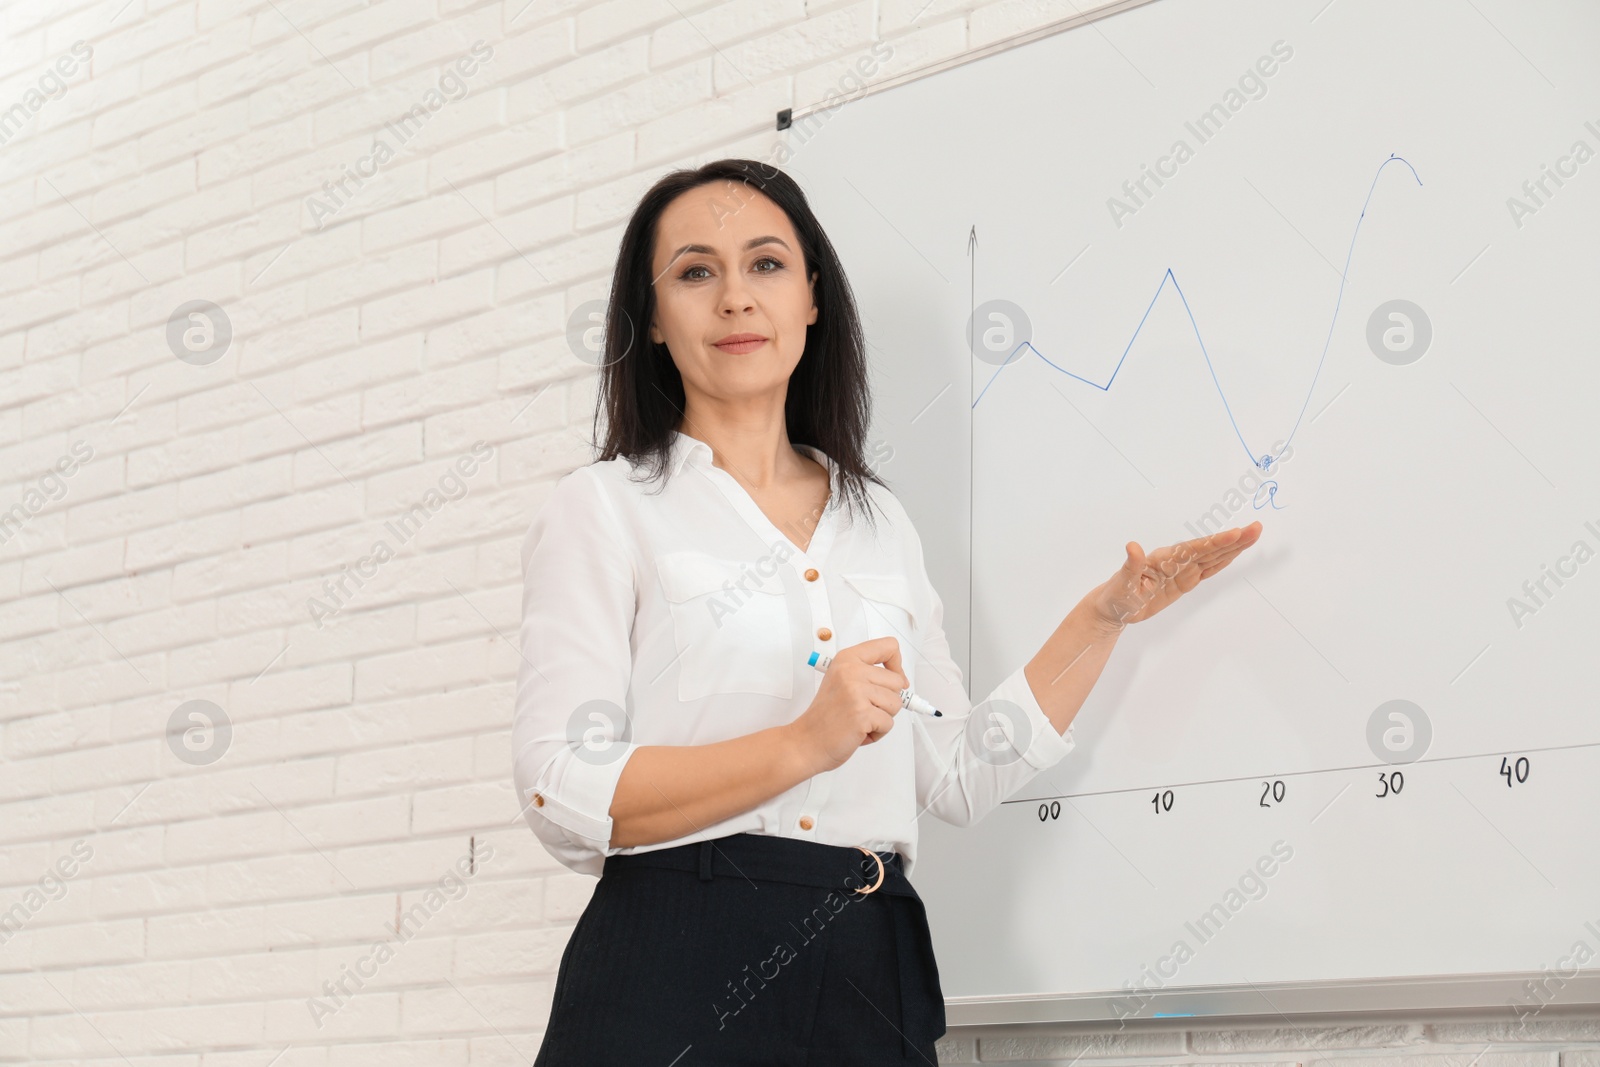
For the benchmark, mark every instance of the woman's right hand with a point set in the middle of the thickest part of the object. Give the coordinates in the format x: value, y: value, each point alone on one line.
x: 855, y: 705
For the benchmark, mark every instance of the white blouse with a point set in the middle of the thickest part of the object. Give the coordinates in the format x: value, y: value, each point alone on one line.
x: 683, y: 616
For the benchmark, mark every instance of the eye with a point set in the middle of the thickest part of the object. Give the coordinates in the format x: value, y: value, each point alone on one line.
x: 689, y: 272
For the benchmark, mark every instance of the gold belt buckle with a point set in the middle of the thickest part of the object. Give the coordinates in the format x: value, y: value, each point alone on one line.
x: 879, y: 882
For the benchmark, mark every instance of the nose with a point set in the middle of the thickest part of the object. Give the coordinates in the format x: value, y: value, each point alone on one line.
x: 735, y: 295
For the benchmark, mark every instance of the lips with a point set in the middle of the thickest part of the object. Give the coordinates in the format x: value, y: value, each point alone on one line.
x: 738, y: 343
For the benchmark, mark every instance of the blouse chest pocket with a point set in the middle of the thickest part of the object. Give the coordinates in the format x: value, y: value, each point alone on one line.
x: 890, y: 609
x: 731, y: 626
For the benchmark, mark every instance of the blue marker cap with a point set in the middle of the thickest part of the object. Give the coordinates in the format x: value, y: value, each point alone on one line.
x: 812, y: 662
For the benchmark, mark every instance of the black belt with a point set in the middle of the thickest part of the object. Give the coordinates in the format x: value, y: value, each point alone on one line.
x: 854, y: 871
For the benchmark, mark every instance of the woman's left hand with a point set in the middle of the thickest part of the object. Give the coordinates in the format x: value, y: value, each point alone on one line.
x: 1146, y: 584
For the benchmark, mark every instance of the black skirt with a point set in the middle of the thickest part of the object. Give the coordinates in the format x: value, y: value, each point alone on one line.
x: 752, y: 950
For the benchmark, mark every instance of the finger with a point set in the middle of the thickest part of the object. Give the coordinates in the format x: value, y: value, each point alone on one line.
x: 1233, y: 550
x: 1175, y: 558
x: 1172, y: 565
x: 1226, y: 557
x: 1217, y: 543
x: 1216, y: 564
x: 1176, y: 561
x: 873, y: 650
x: 1195, y: 568
x: 892, y: 682
x: 1246, y: 536
x: 1209, y: 542
x: 879, y: 728
x: 884, y: 699
x: 1185, y: 551
x: 1227, y: 539
x: 893, y: 667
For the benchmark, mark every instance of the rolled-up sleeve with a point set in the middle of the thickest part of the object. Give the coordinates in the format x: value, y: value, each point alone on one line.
x: 970, y: 759
x: 570, y: 741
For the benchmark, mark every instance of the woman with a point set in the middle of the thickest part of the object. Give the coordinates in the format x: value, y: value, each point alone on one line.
x: 754, y: 822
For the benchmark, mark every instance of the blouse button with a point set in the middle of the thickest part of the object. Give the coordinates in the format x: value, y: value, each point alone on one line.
x: 805, y: 822
x: 825, y: 634
x: 811, y: 574
x: 538, y: 800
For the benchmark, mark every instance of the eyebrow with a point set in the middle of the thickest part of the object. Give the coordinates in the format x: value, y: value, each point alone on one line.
x: 754, y: 242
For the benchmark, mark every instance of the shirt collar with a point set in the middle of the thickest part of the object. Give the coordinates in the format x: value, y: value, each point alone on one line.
x: 686, y: 449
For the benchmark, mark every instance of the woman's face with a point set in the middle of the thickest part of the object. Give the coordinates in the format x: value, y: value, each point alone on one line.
x: 727, y: 262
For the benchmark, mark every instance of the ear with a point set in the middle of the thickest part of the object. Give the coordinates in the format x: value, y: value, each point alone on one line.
x: 813, y: 317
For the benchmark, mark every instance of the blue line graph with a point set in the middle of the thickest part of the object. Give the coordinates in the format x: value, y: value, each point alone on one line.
x: 1264, y: 462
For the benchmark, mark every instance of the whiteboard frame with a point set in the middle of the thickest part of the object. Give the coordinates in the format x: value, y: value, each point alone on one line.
x: 789, y: 116
x: 1473, y: 997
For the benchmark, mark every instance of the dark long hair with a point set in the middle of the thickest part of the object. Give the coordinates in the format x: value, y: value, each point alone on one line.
x: 641, y: 395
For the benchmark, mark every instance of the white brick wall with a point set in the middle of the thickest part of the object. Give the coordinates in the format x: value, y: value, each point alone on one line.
x: 209, y: 906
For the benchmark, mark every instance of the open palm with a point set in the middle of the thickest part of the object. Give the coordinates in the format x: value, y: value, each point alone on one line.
x: 1145, y: 584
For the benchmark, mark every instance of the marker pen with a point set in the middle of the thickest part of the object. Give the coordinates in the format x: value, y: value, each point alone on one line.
x: 908, y: 699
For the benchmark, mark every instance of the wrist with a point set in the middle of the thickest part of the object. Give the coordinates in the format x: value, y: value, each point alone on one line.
x: 797, y: 756
x: 1094, y: 620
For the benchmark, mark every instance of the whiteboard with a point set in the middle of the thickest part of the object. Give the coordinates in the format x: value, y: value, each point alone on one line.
x: 1352, y: 752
